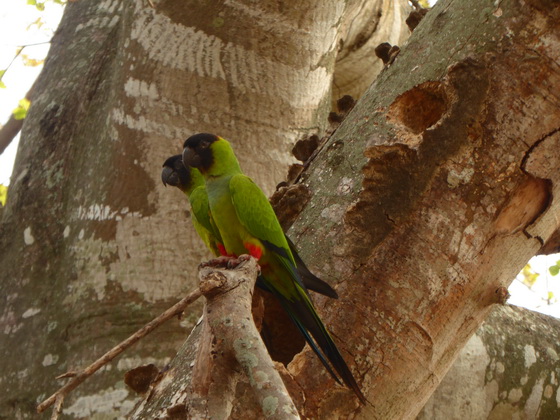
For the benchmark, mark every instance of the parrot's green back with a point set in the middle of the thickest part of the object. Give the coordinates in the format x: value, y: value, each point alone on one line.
x: 248, y: 225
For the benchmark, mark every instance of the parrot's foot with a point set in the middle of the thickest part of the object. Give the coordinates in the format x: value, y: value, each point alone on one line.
x: 217, y: 262
x: 231, y: 264
x: 226, y: 261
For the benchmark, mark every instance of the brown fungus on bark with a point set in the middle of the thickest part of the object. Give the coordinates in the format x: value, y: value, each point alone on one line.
x: 288, y: 202
x: 294, y: 171
x: 387, y: 52
x: 304, y: 148
x: 415, y: 18
x: 345, y: 104
x: 382, y: 52
x: 139, y: 379
x: 335, y: 118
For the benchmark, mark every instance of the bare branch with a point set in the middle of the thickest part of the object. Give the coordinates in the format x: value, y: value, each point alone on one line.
x: 11, y: 129
x: 57, y: 409
x: 204, y: 379
x: 229, y: 317
x: 8, y: 132
x: 80, y: 377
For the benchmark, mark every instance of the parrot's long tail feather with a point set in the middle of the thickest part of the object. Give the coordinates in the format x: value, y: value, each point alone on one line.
x: 304, y: 316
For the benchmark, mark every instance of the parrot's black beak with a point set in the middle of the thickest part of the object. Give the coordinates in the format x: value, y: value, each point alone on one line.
x: 169, y: 176
x: 191, y: 158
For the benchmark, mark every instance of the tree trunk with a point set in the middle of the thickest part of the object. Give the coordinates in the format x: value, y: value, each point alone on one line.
x: 91, y: 244
x: 432, y: 195
x: 508, y: 369
x: 428, y: 199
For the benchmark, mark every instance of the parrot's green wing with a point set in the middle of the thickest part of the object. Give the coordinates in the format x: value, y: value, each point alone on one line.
x: 282, y: 279
x: 202, y: 219
x: 256, y: 214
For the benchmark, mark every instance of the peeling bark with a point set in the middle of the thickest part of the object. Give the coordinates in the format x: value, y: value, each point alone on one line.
x: 508, y: 369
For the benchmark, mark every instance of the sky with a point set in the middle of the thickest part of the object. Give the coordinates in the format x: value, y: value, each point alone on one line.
x: 16, y: 17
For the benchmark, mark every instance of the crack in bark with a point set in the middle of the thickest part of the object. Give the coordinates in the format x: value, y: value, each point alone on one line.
x: 533, y: 147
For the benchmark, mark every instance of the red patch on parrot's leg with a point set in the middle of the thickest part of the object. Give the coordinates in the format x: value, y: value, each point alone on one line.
x: 222, y: 250
x: 254, y: 250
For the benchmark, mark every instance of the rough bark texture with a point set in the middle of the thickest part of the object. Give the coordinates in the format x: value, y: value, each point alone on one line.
x: 91, y: 244
x: 508, y: 370
x: 433, y: 193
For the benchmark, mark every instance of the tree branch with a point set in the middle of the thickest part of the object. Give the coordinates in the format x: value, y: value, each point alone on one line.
x: 204, y: 385
x: 8, y: 132
x: 230, y: 320
x: 11, y: 129
x: 80, y: 377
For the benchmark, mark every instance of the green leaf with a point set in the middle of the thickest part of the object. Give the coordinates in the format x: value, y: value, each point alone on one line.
x: 529, y: 276
x: 554, y: 269
x: 2, y: 85
x: 31, y: 62
x: 550, y: 296
x: 21, y: 111
x: 3, y: 194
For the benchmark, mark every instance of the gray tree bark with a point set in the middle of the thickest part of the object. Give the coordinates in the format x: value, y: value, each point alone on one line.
x: 508, y: 370
x: 91, y: 244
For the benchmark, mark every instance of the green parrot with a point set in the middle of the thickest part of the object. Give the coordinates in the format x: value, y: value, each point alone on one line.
x: 192, y: 183
x: 248, y: 225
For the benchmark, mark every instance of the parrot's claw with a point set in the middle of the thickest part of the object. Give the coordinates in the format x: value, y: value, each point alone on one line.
x: 216, y: 262
x: 231, y: 264
x: 226, y: 261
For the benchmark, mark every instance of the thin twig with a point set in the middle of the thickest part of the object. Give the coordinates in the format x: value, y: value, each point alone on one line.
x: 57, y: 409
x: 115, y: 351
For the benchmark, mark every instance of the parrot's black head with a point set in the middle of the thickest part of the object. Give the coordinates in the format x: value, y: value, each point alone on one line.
x: 175, y: 174
x: 198, y: 152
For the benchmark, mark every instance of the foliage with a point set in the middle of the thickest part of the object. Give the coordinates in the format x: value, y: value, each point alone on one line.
x: 31, y: 62
x: 554, y: 269
x: 21, y: 111
x: 3, y: 194
x: 40, y: 4
x: 529, y: 276
x: 2, y: 85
